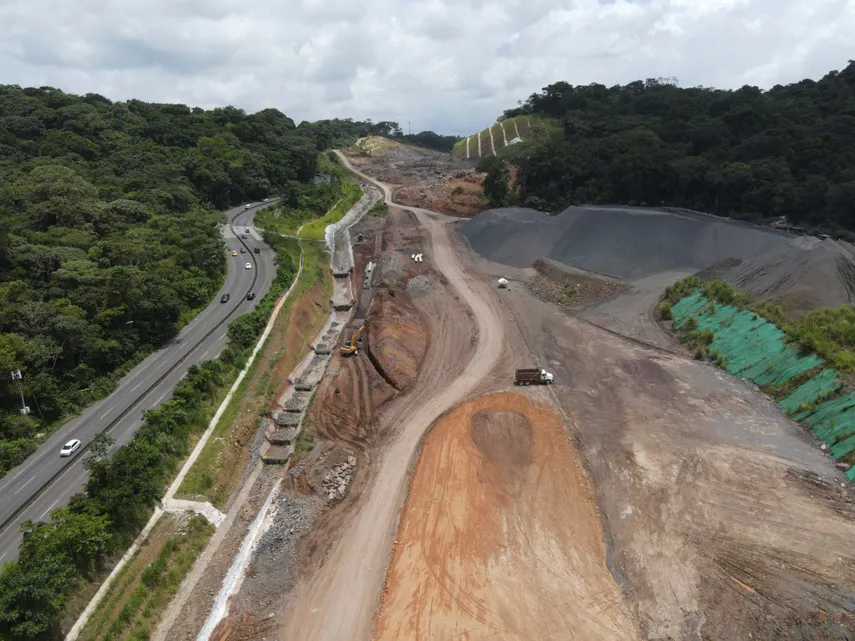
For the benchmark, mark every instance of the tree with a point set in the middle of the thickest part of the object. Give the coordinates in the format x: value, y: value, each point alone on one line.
x: 496, y: 181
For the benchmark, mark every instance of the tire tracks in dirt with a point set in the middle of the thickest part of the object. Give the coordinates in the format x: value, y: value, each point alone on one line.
x: 339, y: 600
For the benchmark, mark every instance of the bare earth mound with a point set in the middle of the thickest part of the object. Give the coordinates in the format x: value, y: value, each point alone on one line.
x: 398, y: 338
x: 621, y: 242
x: 499, y: 537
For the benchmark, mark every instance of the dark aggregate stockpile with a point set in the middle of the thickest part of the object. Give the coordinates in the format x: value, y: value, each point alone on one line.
x: 622, y: 242
x: 802, y: 274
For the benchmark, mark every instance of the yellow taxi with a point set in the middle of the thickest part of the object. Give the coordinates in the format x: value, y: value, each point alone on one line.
x: 234, y: 252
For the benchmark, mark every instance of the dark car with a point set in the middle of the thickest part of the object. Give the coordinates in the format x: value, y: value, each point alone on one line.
x: 225, y: 298
x: 250, y: 296
x: 257, y: 250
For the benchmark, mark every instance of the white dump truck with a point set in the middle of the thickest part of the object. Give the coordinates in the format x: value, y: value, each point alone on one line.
x: 533, y: 376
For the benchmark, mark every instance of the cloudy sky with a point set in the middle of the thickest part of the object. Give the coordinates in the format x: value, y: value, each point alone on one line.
x: 447, y: 65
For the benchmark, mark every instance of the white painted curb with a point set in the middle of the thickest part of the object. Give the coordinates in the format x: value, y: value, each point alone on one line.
x: 84, y: 617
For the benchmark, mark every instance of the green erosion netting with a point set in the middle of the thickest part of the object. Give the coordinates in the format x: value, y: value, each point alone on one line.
x: 755, y: 349
x: 819, y: 386
x: 752, y: 347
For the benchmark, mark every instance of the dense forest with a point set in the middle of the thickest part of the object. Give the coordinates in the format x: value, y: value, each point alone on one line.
x: 330, y: 134
x: 746, y: 153
x: 108, y: 234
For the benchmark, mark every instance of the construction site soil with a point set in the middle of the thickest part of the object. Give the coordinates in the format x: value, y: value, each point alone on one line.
x: 683, y: 505
x: 421, y: 177
x: 500, y: 537
x: 724, y: 521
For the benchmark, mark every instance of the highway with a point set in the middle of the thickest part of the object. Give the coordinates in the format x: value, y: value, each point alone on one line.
x: 45, y: 481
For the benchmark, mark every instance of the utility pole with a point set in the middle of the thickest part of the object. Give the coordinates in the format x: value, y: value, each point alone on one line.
x: 409, y: 129
x: 17, y: 376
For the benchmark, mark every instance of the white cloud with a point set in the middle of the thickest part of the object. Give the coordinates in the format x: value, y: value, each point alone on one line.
x: 447, y: 65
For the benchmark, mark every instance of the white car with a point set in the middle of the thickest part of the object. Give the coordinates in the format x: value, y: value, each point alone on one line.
x: 267, y: 200
x: 248, y: 265
x: 70, y: 448
x: 247, y: 206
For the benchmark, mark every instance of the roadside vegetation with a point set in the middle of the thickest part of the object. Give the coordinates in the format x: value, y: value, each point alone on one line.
x: 315, y: 230
x: 220, y: 465
x: 108, y: 236
x: 380, y: 209
x: 99, y: 524
x: 147, y: 583
x: 310, y: 209
x: 746, y: 153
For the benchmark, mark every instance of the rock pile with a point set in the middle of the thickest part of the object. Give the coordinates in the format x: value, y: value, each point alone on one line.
x: 296, y: 402
x: 286, y: 419
x: 302, y: 385
x: 337, y: 480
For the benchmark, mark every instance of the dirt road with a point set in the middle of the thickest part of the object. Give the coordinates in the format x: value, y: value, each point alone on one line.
x: 725, y: 522
x: 500, y: 538
x: 339, y: 600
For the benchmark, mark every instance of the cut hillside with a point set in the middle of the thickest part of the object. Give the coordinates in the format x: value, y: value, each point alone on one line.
x: 622, y: 242
x: 516, y: 130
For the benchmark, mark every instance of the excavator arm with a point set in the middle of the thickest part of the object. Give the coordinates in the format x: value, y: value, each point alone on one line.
x: 349, y: 347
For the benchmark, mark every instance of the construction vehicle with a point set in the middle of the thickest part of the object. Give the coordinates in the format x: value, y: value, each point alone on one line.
x: 350, y: 347
x: 533, y: 376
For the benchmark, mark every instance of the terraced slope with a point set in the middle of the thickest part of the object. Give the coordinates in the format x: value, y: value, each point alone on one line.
x: 504, y: 134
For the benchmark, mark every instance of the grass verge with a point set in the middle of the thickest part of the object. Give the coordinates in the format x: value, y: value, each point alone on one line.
x: 351, y: 193
x: 459, y: 150
x: 222, y: 462
x: 498, y: 138
x: 146, y: 584
x: 306, y: 204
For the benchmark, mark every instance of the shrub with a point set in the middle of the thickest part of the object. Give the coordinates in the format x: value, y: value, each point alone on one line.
x: 691, y: 324
x: 665, y: 312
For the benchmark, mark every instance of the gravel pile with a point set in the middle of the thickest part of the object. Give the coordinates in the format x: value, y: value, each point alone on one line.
x: 297, y: 401
x: 623, y: 242
x: 273, y: 570
x: 802, y: 274
x: 418, y: 286
x: 286, y: 419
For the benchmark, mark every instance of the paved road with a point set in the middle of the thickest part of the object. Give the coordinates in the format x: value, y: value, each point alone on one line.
x: 45, y: 481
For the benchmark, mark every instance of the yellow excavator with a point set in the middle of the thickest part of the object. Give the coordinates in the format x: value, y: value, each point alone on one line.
x: 349, y: 347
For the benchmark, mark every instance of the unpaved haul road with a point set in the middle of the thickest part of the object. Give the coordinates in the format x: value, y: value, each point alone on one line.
x: 338, y: 602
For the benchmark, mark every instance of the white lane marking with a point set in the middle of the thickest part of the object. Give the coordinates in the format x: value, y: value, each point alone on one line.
x: 13, y: 478
x: 136, y: 386
x: 2, y: 555
x: 205, y: 354
x: 25, y: 484
x: 105, y: 413
x: 160, y: 399
x: 182, y: 376
x: 49, y: 509
x: 226, y: 333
